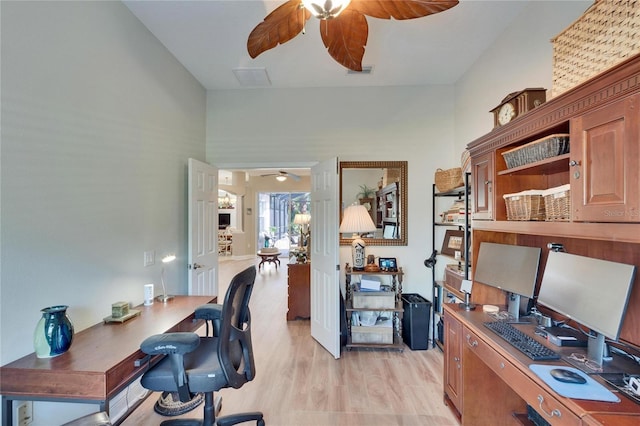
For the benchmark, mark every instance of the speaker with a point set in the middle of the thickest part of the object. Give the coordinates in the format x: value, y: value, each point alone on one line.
x: 415, y: 321
x: 148, y: 294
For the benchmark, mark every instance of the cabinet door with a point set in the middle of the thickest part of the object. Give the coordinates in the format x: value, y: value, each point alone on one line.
x: 604, y: 163
x: 453, y: 361
x: 482, y: 172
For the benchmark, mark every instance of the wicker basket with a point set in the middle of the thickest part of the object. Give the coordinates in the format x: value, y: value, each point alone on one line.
x: 547, y: 147
x: 525, y: 205
x: 605, y: 35
x: 557, y: 203
x: 446, y: 180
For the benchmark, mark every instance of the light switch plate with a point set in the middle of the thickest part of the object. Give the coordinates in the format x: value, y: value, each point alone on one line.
x: 149, y: 258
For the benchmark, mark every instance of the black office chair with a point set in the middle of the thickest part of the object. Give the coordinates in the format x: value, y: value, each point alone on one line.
x: 207, y: 364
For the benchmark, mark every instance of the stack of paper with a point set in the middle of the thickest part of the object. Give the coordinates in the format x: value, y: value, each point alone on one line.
x: 369, y: 283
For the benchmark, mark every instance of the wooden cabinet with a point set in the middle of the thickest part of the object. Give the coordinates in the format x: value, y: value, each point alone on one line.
x: 384, y: 303
x: 453, y: 361
x: 299, y: 291
x: 605, y: 157
x: 482, y: 171
x: 602, y: 170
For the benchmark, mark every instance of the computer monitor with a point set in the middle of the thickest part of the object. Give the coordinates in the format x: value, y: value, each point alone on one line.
x: 511, y: 268
x: 593, y: 292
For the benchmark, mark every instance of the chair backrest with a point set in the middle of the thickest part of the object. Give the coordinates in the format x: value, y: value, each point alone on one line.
x: 235, y: 351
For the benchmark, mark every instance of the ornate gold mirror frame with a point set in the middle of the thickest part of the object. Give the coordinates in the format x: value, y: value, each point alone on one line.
x: 389, y: 175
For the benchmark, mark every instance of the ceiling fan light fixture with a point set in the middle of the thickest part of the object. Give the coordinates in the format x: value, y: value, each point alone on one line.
x: 281, y: 178
x: 327, y: 9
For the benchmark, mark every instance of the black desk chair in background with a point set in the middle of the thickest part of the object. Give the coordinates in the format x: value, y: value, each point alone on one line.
x: 207, y: 364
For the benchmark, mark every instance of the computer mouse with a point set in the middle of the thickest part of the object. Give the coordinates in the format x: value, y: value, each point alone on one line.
x: 567, y: 376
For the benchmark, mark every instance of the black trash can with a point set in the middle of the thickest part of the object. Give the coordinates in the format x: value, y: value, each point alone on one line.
x: 415, y: 321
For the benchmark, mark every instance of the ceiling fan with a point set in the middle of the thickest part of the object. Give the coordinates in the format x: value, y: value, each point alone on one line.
x: 282, y: 175
x: 343, y: 25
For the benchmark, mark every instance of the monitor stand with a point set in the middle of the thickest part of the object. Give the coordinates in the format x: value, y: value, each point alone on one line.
x: 514, y: 306
x: 595, y: 348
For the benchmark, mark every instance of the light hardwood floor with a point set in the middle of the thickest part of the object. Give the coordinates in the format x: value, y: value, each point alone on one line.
x: 298, y: 383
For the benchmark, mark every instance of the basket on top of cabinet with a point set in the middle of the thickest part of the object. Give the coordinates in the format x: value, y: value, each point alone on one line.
x: 547, y: 147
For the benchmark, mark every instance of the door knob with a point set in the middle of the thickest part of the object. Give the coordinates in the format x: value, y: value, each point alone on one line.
x: 196, y: 266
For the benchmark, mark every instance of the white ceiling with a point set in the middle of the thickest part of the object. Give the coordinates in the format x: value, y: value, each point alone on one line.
x: 209, y: 38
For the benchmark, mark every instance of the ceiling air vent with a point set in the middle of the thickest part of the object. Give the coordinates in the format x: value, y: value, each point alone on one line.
x: 366, y: 69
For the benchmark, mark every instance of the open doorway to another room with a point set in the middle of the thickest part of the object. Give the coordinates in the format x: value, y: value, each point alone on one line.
x: 276, y: 215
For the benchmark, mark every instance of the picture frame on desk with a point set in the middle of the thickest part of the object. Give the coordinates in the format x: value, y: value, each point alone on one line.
x: 453, y: 241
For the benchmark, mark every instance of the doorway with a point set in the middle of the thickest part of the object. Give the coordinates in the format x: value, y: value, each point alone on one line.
x: 276, y: 214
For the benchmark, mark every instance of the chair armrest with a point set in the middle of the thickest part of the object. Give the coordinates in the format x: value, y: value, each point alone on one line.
x: 174, y: 345
x: 210, y: 312
x: 170, y: 343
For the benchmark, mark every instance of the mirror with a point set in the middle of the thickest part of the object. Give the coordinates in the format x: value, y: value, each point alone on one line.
x: 381, y: 186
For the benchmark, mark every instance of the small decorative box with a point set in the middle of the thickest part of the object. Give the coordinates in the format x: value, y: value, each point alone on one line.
x: 119, y: 309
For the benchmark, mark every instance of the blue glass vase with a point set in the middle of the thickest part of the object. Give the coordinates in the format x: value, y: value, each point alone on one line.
x: 54, y: 332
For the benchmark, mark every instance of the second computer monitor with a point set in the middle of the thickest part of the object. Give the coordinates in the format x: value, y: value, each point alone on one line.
x: 511, y: 268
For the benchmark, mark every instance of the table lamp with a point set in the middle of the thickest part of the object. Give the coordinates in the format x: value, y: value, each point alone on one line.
x: 164, y: 297
x: 303, y: 219
x: 356, y: 219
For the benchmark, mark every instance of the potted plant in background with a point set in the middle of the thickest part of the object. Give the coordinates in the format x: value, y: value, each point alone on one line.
x: 366, y: 196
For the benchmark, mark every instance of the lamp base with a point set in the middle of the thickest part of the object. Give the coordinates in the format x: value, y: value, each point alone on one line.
x: 164, y: 298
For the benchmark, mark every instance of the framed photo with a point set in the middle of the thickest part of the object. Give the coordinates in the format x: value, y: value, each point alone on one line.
x: 453, y: 242
x: 388, y: 264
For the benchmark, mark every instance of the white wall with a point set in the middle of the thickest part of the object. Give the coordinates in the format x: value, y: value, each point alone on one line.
x: 98, y: 121
x: 520, y: 58
x: 307, y: 125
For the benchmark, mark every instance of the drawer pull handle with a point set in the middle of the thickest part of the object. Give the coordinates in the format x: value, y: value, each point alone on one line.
x: 141, y: 361
x: 555, y: 412
x: 502, y: 365
x: 472, y: 344
x: 456, y: 359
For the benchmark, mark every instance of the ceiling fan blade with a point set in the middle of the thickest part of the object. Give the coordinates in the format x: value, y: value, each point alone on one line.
x: 345, y: 38
x: 292, y: 176
x: 280, y: 26
x: 401, y: 9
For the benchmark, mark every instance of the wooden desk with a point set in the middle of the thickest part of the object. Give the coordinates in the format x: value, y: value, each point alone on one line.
x: 487, y: 380
x: 102, y: 360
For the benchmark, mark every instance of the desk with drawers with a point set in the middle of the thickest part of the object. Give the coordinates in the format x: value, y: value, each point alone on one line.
x: 103, y: 359
x: 488, y: 381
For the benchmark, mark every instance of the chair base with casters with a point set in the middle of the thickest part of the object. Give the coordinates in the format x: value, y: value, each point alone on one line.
x: 194, y: 364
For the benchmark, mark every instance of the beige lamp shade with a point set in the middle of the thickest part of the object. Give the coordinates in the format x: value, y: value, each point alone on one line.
x: 302, y: 219
x: 356, y: 220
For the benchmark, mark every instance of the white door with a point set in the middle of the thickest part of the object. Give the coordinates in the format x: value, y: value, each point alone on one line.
x: 203, y: 229
x: 325, y: 283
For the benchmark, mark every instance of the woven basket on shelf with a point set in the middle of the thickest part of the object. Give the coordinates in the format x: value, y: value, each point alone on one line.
x: 547, y: 147
x: 525, y: 205
x: 557, y: 203
x: 605, y: 35
x: 449, y: 179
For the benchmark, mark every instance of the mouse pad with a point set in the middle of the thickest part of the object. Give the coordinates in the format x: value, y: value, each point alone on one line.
x: 591, y: 390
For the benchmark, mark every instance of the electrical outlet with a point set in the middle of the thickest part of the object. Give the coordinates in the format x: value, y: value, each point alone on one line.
x: 149, y: 258
x: 24, y: 413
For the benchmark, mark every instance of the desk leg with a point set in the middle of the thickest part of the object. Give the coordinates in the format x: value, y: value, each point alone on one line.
x: 7, y: 411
